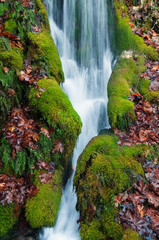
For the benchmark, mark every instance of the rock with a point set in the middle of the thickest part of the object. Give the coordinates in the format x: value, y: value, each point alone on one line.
x: 104, y: 170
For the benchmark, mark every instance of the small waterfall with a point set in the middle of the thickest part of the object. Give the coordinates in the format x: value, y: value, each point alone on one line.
x: 80, y: 31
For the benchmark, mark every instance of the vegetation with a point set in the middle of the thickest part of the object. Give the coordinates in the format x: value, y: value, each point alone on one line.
x: 125, y: 38
x: 55, y: 107
x: 46, y: 52
x: 106, y: 169
x: 124, y: 79
x: 103, y: 170
x: 7, y: 219
x: 34, y: 145
x: 42, y: 209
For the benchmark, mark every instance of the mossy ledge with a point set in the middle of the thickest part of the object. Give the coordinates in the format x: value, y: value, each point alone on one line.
x: 53, y: 108
x: 125, y: 76
x: 125, y: 38
x: 125, y: 79
x: 42, y: 210
x: 42, y: 46
x: 105, y: 169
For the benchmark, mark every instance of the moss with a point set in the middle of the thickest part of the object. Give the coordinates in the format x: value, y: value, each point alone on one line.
x: 121, y: 112
x: 126, y: 78
x: 110, y: 160
x: 10, y: 26
x: 130, y: 234
x: 7, y: 219
x: 125, y: 38
x: 43, y: 13
x: 105, y: 169
x: 12, y: 59
x: 126, y: 75
x: 42, y: 210
x: 110, y: 226
x: 151, y: 96
x: 42, y: 47
x: 91, y: 231
x: 57, y: 110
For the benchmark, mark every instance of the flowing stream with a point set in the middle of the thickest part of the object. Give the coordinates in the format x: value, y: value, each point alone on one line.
x: 80, y: 31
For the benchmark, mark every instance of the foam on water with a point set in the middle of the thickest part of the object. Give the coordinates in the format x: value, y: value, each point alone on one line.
x: 80, y: 31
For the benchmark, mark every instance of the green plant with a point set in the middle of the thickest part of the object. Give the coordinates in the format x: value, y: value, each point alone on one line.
x: 7, y: 219
x: 5, y: 106
x: 42, y: 209
x: 153, y: 155
x: 5, y: 44
x: 46, y: 145
x: 6, y: 79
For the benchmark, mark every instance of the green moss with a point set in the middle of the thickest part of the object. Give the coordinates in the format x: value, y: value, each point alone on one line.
x: 57, y: 110
x: 42, y: 48
x: 42, y: 210
x: 105, y: 169
x: 43, y: 13
x: 91, y: 231
x: 110, y: 160
x: 151, y: 96
x: 125, y: 76
x: 12, y: 59
x: 130, y: 234
x: 7, y: 219
x: 11, y: 26
x: 121, y: 112
x: 125, y: 38
x: 110, y: 226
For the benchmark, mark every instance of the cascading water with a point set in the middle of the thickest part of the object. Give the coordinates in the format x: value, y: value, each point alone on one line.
x: 80, y: 31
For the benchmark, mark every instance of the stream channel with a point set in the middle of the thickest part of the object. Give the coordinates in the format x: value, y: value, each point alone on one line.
x: 80, y: 31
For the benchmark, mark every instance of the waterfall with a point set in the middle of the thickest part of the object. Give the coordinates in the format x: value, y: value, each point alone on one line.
x: 80, y: 31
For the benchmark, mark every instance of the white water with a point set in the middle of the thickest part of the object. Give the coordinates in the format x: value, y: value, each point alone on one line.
x: 85, y: 84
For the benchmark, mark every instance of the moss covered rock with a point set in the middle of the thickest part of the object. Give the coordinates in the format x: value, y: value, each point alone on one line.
x: 43, y: 47
x: 104, y: 169
x: 55, y: 107
x: 12, y: 59
x: 42, y: 210
x: 125, y: 76
x: 91, y: 231
x: 125, y: 38
x: 43, y: 13
x: 34, y: 48
x: 7, y: 219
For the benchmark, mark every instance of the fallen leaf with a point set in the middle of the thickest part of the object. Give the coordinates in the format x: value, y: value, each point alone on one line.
x: 11, y: 92
x: 155, y: 68
x: 45, y: 132
x: 5, y: 69
x: 39, y: 94
x: 58, y: 146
